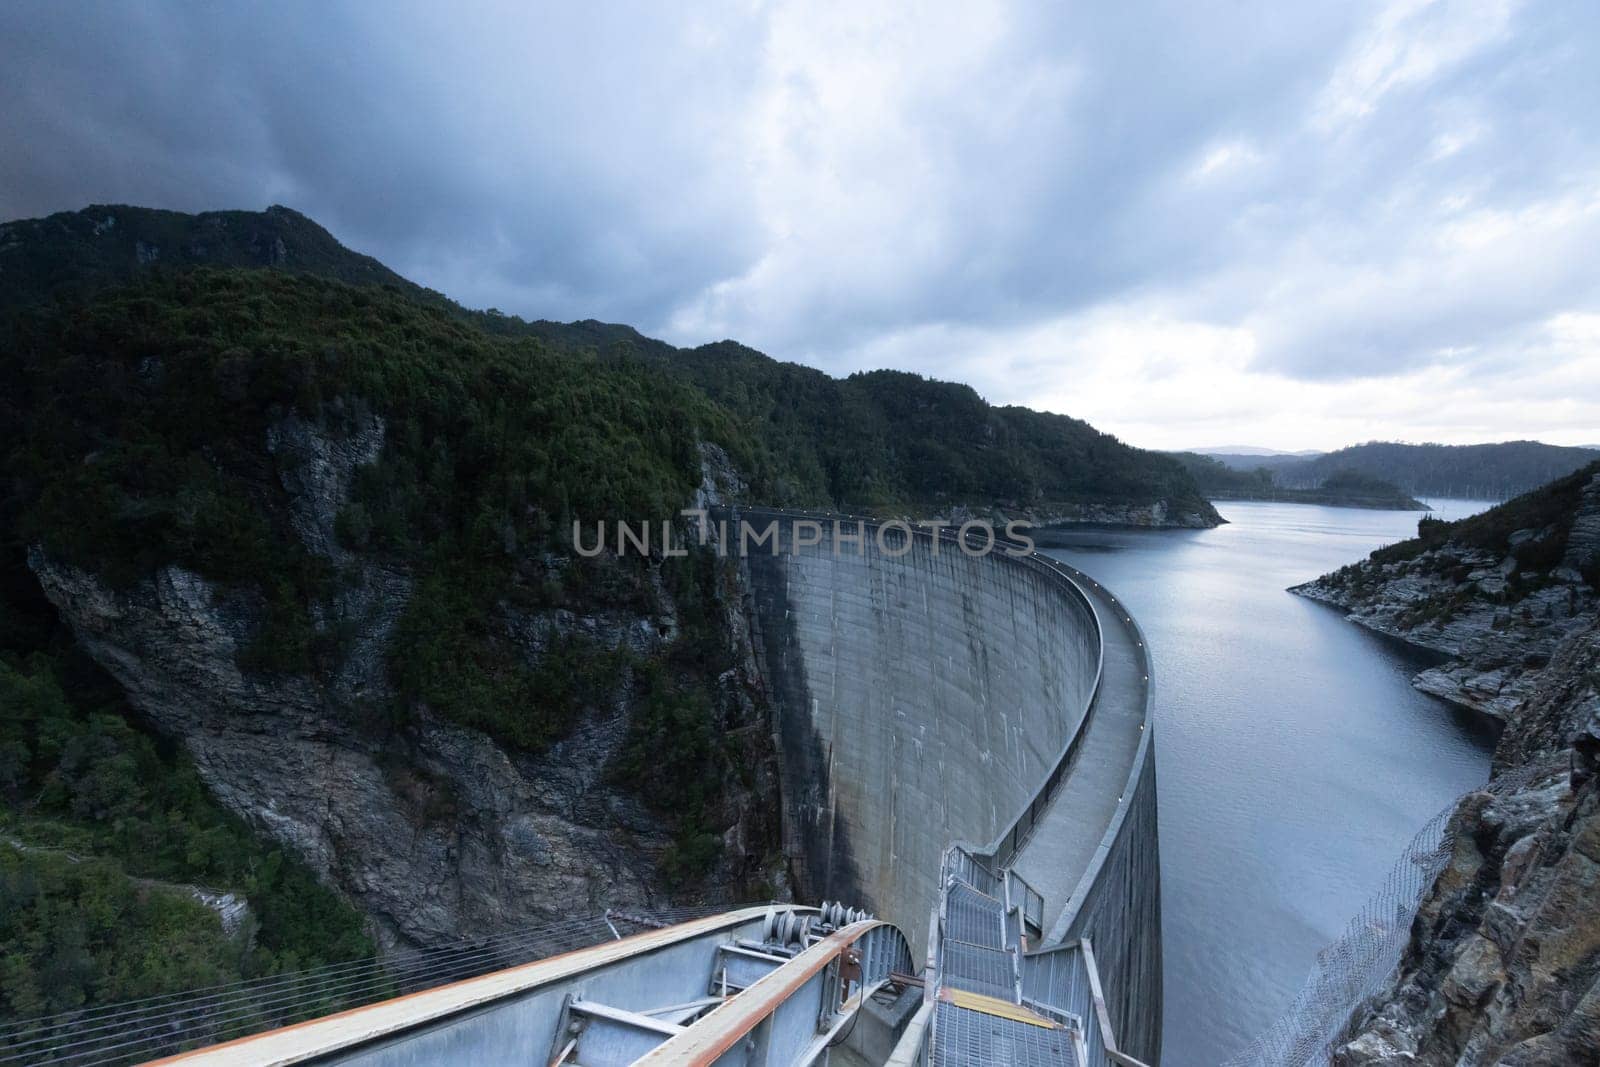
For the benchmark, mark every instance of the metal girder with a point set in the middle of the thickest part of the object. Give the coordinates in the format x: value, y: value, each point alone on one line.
x: 790, y: 1015
x: 599, y: 1035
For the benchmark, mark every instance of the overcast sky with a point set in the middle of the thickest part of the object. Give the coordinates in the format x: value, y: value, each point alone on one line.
x: 1295, y: 225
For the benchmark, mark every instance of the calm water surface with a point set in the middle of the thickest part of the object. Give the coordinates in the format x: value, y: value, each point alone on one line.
x: 1294, y: 760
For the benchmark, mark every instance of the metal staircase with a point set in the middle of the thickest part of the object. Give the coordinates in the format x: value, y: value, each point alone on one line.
x: 995, y: 998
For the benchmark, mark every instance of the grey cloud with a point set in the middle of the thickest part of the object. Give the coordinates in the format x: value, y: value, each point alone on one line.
x: 561, y: 166
x: 623, y: 163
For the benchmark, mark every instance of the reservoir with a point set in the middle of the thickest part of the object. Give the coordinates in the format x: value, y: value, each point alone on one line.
x: 1294, y: 760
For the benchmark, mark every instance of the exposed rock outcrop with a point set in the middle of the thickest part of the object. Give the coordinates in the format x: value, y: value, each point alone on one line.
x: 1504, y: 961
x: 1496, y: 616
x: 433, y: 829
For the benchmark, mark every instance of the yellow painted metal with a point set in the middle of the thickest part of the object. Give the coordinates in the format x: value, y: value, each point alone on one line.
x: 1003, y: 1009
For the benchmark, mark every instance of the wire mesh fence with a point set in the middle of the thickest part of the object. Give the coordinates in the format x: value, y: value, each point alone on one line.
x: 1360, y: 962
x: 139, y: 1030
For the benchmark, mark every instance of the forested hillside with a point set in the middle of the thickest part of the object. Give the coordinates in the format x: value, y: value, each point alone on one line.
x: 879, y: 441
x: 291, y: 621
x: 67, y: 256
x: 892, y: 439
x: 146, y: 420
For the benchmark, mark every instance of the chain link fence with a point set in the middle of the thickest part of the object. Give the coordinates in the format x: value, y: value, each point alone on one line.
x: 1362, y: 960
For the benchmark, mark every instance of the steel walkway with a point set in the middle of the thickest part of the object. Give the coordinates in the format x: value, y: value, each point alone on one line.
x: 978, y: 1014
x: 990, y: 1002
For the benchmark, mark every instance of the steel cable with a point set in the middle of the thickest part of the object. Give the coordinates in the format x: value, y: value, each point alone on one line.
x: 167, y: 1022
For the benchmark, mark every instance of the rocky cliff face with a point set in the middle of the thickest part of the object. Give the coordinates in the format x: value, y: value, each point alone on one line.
x: 1504, y: 961
x: 1504, y: 956
x: 433, y: 829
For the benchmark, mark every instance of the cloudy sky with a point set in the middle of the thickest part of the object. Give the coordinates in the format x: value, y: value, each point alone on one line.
x: 1287, y: 224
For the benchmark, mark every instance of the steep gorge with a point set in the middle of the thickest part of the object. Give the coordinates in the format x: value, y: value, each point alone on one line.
x: 320, y: 564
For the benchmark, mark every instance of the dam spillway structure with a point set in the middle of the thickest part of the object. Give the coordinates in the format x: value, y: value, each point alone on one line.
x: 966, y: 757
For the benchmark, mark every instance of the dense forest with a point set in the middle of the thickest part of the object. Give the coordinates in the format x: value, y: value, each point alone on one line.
x: 1476, y: 472
x: 145, y: 357
x: 890, y: 439
x: 103, y: 828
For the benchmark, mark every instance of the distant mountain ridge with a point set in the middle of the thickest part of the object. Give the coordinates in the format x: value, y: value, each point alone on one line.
x: 1254, y: 450
x: 1495, y: 471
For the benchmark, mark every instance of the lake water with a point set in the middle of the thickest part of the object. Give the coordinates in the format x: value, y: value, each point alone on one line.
x: 1294, y: 760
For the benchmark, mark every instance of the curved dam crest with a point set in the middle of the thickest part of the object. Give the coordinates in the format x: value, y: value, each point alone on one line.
x: 928, y: 698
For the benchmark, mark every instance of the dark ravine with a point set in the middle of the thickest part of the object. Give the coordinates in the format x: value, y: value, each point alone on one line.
x: 1503, y: 963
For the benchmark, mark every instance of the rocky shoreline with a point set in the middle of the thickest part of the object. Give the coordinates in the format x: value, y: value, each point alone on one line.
x: 1497, y: 620
x: 1044, y: 518
x: 1503, y: 961
x: 1324, y: 498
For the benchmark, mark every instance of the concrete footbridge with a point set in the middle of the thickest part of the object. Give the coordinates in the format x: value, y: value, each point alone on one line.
x: 966, y: 755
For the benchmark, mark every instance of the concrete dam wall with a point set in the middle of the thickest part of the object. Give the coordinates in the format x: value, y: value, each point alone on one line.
x: 925, y: 696
x: 922, y: 699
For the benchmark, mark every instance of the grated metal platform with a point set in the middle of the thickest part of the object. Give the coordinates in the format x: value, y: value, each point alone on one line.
x: 967, y: 1037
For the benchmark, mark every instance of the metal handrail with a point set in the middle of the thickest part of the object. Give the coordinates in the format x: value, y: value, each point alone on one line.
x: 1065, y: 978
x: 326, y: 1036
x: 881, y: 953
x: 1012, y: 840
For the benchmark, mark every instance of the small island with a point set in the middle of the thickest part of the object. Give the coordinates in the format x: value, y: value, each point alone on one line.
x: 1344, y: 488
